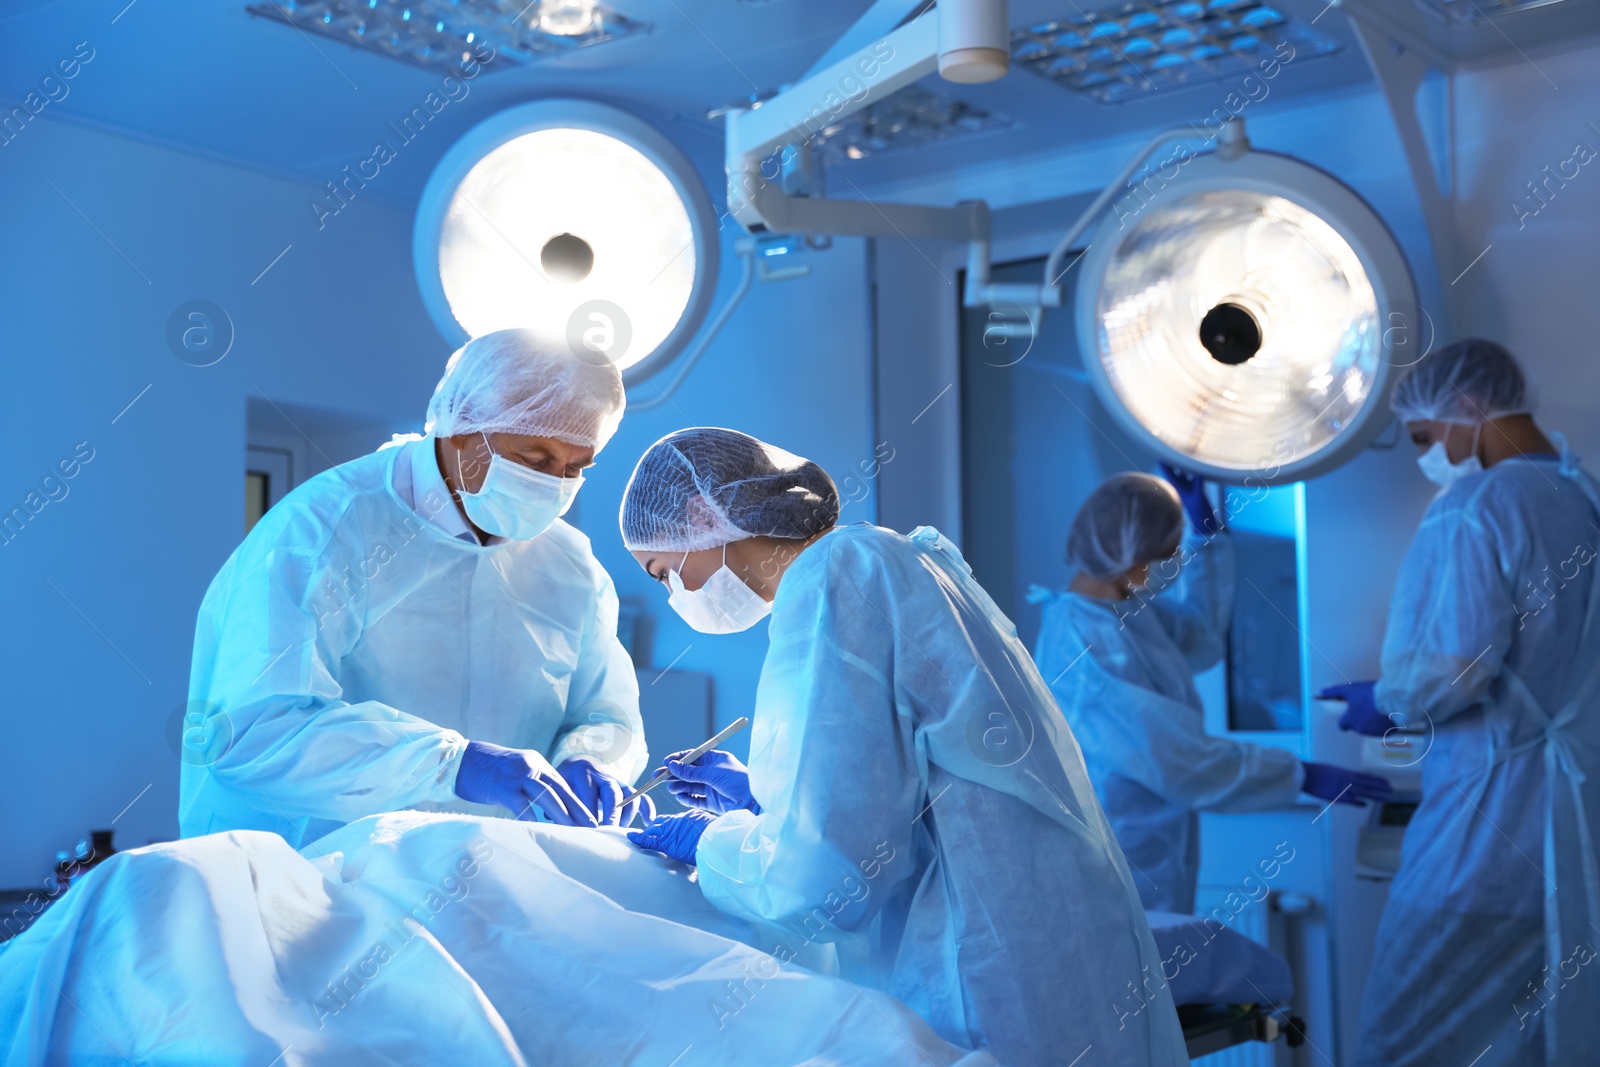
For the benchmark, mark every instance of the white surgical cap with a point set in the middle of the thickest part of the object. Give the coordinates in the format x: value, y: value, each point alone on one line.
x: 1468, y: 382
x: 1129, y: 520
x: 705, y: 487
x: 510, y: 381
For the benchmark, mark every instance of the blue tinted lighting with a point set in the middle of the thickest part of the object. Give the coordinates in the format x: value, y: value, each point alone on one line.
x: 1262, y: 16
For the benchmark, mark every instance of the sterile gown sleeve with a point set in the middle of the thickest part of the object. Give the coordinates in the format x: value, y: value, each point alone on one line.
x: 602, y: 718
x: 1196, y: 608
x: 833, y: 759
x: 1453, y: 615
x: 295, y: 740
x: 1161, y: 744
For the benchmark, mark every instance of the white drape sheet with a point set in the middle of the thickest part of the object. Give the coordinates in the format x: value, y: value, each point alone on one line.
x: 425, y: 938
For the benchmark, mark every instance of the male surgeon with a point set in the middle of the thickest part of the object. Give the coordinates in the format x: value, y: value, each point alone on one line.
x: 1492, y: 651
x: 418, y: 628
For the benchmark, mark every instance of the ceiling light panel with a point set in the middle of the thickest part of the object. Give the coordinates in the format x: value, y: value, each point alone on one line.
x: 914, y: 117
x: 1128, y: 51
x: 440, y: 34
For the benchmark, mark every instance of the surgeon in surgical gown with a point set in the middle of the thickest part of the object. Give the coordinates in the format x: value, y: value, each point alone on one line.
x: 418, y: 628
x: 913, y: 795
x: 1486, y: 952
x: 1121, y: 658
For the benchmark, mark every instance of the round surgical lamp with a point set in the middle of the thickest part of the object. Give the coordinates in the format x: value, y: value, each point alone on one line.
x: 572, y: 219
x: 1247, y: 319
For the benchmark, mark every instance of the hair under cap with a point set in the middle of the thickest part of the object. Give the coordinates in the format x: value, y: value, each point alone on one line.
x: 704, y: 487
x: 1468, y: 382
x: 513, y: 381
x: 1130, y: 519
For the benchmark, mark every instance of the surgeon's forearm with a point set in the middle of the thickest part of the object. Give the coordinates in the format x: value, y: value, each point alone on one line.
x: 1431, y: 701
x: 741, y: 874
x: 755, y: 869
x: 340, y: 761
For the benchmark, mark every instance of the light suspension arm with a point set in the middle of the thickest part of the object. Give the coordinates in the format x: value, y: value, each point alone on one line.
x: 967, y: 38
x: 746, y: 249
x: 1231, y: 144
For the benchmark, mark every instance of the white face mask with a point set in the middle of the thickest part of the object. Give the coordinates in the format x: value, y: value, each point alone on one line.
x: 517, y: 502
x: 723, y: 605
x: 1437, y: 468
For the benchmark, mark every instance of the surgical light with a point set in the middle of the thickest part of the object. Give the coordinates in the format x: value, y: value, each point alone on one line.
x: 555, y: 212
x: 1244, y: 318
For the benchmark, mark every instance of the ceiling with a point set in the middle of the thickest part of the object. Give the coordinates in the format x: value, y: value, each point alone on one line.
x: 205, y: 77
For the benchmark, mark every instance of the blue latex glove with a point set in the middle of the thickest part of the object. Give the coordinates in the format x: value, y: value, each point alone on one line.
x: 602, y: 794
x: 1192, y: 491
x: 1328, y: 782
x: 716, y: 782
x: 1361, y: 712
x: 676, y: 835
x: 518, y: 780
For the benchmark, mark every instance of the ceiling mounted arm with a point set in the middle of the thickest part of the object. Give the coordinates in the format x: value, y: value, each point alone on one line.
x: 874, y: 24
x: 966, y: 40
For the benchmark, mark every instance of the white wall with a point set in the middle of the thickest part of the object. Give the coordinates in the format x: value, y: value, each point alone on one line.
x: 1534, y: 290
x: 101, y: 587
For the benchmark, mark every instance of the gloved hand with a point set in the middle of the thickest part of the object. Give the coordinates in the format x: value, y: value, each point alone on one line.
x: 1327, y: 782
x: 602, y: 794
x: 518, y: 780
x: 716, y: 782
x: 676, y: 835
x: 1361, y: 712
x: 1192, y: 491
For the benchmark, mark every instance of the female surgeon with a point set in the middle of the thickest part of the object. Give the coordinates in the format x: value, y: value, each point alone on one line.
x: 1121, y: 662
x: 1486, y: 950
x: 912, y: 795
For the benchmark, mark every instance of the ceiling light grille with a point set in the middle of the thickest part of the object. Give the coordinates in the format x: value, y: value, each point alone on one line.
x: 1131, y: 50
x: 441, y: 34
x: 912, y: 118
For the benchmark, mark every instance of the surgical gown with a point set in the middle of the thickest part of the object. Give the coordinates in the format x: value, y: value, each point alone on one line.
x: 1123, y: 673
x: 349, y: 647
x: 1487, y: 945
x: 925, y: 807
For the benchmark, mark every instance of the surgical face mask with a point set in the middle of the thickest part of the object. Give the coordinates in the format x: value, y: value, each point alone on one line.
x: 517, y: 502
x: 1437, y: 468
x: 723, y: 605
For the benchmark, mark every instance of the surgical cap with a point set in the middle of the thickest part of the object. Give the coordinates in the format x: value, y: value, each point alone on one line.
x: 705, y: 487
x: 512, y: 381
x: 1130, y: 519
x: 1468, y: 382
